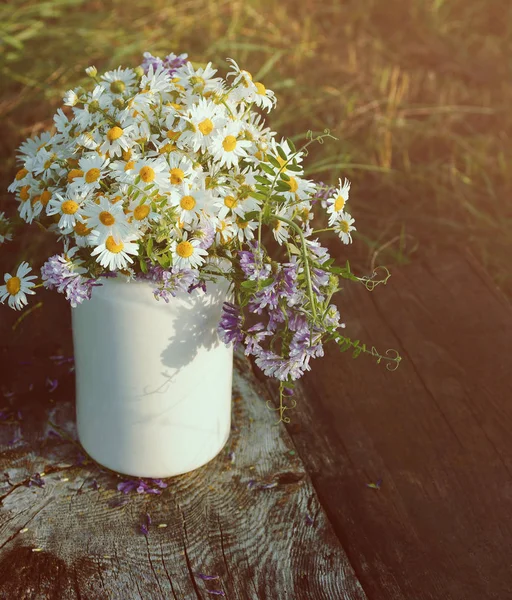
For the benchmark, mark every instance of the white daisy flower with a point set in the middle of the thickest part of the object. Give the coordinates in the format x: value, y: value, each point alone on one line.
x: 16, y: 288
x: 141, y: 213
x: 148, y: 171
x: 93, y: 167
x: 188, y: 201
x: 263, y: 98
x: 181, y: 169
x: 300, y: 189
x: 201, y: 80
x: 118, y: 81
x: 23, y: 177
x: 336, y: 204
x: 226, y: 148
x: 156, y: 80
x: 187, y: 254
x: 224, y: 231
x: 69, y: 208
x: 106, y: 219
x: 204, y: 120
x: 32, y: 145
x: 231, y: 204
x: 280, y: 228
x: 70, y: 98
x: 343, y: 226
x: 115, y: 254
x: 118, y: 138
x: 244, y: 230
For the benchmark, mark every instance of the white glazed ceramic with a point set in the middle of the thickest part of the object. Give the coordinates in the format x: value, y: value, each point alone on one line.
x: 153, y: 381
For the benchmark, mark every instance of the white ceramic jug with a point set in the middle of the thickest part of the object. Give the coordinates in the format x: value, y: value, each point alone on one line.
x: 153, y: 380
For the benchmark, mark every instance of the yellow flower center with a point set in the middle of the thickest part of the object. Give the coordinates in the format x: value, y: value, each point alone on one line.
x: 344, y: 226
x: 35, y: 199
x: 46, y: 197
x: 13, y: 285
x: 48, y: 163
x: 184, y: 249
x: 177, y: 176
x: 187, y: 203
x: 111, y: 245
x: 74, y: 173
x: 81, y: 229
x: 129, y: 165
x: 261, y: 88
x: 92, y: 175
x: 293, y: 185
x: 21, y: 173
x: 127, y: 154
x: 280, y: 160
x: 24, y: 192
x: 339, y: 203
x: 229, y: 143
x: 141, y: 212
x: 205, y: 127
x: 147, y: 174
x: 106, y: 218
x: 69, y: 207
x: 117, y: 87
x: 230, y: 201
x: 114, y: 134
x: 242, y: 224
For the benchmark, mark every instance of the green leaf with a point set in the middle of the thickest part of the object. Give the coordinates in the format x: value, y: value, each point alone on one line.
x: 294, y: 167
x: 263, y: 180
x: 273, y: 161
x: 285, y: 177
x: 249, y: 285
x: 267, y: 169
x: 281, y: 153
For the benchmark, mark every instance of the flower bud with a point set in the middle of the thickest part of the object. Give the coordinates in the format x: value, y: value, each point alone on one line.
x: 91, y: 71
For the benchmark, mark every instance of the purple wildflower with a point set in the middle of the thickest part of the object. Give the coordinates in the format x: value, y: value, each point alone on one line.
x: 282, y: 368
x: 144, y: 530
x: 230, y: 325
x: 207, y: 577
x: 283, y: 287
x: 59, y: 273
x: 171, y: 62
x: 251, y: 263
x: 170, y: 282
x: 215, y: 592
x: 323, y: 192
x: 254, y: 335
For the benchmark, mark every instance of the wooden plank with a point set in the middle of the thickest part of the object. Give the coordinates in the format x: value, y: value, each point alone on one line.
x: 437, y: 432
x: 250, y: 517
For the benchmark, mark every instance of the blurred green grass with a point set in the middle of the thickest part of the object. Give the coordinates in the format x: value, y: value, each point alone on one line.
x: 417, y: 91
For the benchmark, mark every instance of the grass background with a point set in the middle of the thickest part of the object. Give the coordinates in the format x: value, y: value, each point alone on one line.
x: 417, y: 91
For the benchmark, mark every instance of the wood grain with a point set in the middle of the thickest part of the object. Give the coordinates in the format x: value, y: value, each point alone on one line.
x: 69, y: 540
x: 437, y: 432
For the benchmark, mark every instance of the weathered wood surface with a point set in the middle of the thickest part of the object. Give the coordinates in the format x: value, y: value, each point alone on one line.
x: 437, y: 432
x: 250, y: 517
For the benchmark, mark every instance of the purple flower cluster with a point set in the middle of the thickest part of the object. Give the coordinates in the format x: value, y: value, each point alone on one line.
x: 59, y: 273
x: 323, y: 192
x: 230, y: 325
x: 277, y: 299
x: 172, y: 62
x: 170, y: 282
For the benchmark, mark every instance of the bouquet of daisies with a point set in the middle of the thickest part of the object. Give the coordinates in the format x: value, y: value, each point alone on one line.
x: 168, y: 172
